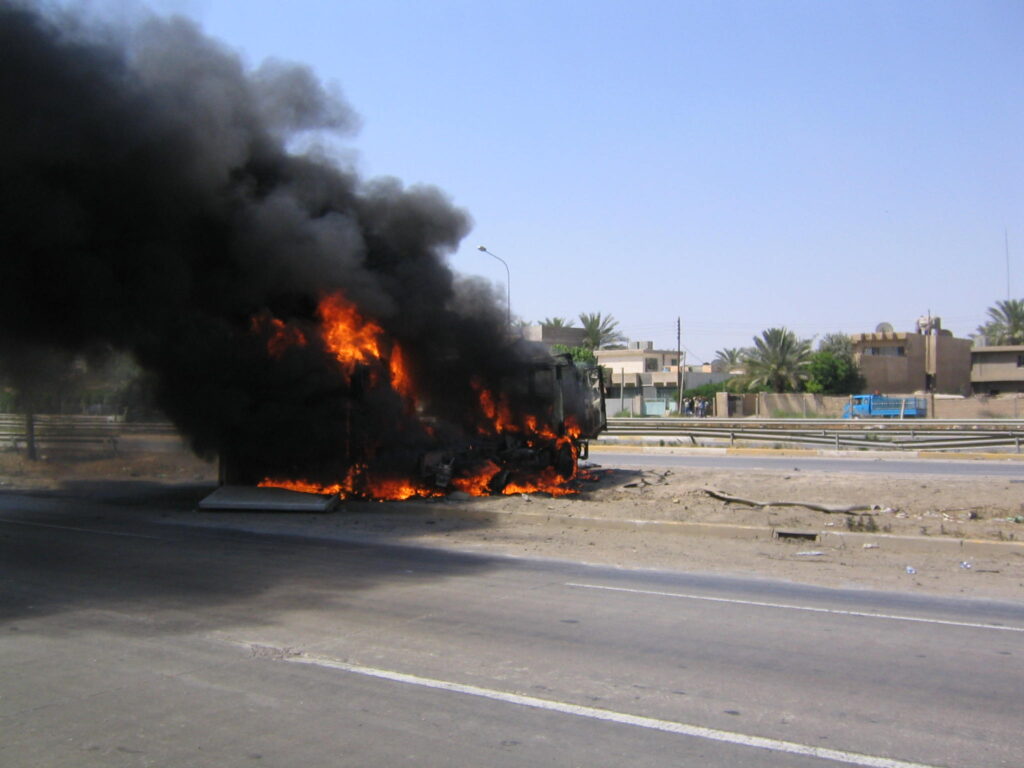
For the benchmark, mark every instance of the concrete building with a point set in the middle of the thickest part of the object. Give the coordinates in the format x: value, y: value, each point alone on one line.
x: 549, y: 335
x: 995, y: 370
x: 929, y: 359
x: 639, y: 357
x: 644, y: 380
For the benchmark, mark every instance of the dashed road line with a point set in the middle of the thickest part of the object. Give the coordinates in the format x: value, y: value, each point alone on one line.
x: 808, y: 608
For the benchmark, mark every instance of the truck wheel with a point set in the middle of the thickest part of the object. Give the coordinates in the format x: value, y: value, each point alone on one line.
x: 499, y: 481
x: 565, y: 462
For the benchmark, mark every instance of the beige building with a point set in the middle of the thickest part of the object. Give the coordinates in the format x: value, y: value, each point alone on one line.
x: 995, y: 370
x: 644, y: 380
x: 549, y: 335
x: 902, y: 363
x: 641, y: 357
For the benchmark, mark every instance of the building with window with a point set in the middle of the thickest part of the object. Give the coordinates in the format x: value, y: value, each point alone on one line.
x: 928, y: 360
x: 644, y: 380
x: 995, y: 370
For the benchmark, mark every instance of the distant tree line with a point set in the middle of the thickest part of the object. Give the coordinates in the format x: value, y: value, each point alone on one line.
x: 99, y: 381
x: 778, y: 361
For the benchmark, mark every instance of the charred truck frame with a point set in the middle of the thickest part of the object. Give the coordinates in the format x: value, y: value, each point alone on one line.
x: 537, y: 421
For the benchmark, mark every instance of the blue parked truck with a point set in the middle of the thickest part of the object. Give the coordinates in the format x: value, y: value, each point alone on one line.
x: 882, y: 407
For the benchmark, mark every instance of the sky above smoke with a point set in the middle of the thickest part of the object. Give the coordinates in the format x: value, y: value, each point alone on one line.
x: 823, y: 166
x: 150, y: 202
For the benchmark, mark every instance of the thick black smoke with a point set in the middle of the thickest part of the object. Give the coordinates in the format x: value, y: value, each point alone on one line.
x: 148, y: 200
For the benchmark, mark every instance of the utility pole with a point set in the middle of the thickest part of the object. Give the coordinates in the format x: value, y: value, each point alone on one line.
x: 679, y: 366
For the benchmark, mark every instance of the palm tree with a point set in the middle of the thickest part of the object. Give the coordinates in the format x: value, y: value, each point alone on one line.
x: 556, y: 322
x: 599, y: 330
x: 778, y: 360
x: 1006, y: 323
x: 731, y: 356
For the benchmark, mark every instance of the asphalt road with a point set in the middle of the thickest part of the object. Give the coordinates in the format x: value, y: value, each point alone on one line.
x: 128, y: 639
x: 905, y: 465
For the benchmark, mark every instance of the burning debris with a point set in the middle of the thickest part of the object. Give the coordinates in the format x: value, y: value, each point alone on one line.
x: 302, y: 323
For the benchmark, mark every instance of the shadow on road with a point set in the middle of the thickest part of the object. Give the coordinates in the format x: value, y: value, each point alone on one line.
x: 86, y: 537
x: 139, y: 549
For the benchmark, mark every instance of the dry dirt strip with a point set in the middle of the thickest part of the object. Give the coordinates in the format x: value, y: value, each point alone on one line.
x: 835, y: 539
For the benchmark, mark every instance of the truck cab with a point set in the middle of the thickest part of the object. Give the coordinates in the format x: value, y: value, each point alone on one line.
x: 883, y: 407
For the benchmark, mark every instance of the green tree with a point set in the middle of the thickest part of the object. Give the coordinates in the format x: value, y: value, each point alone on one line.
x: 706, y: 390
x: 1006, y: 323
x: 599, y: 329
x: 830, y: 373
x: 556, y: 322
x: 839, y: 344
x: 778, y: 361
x: 579, y: 354
x: 731, y: 356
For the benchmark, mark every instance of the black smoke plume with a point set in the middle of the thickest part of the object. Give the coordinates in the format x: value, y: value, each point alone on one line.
x: 149, y: 201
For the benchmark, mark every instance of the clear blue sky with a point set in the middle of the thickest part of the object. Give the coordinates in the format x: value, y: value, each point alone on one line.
x: 819, y: 165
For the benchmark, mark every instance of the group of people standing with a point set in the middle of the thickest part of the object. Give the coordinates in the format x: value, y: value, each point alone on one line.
x: 696, y: 406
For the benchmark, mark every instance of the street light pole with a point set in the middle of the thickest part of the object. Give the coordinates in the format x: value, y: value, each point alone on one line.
x: 508, y: 286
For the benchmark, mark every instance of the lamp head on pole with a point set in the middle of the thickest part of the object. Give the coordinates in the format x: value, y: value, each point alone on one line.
x: 508, y: 283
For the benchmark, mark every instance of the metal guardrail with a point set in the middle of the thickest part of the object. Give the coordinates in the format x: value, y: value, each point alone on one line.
x: 70, y: 430
x: 838, y: 434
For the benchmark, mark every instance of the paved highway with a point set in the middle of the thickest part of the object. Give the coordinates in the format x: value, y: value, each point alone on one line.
x: 128, y: 639
x: 608, y: 456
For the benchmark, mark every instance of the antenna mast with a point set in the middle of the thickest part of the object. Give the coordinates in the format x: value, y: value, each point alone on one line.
x: 1006, y: 241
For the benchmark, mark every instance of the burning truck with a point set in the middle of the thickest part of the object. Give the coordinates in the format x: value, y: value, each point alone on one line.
x: 525, y: 431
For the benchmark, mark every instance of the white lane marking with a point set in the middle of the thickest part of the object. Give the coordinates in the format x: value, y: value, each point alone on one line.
x: 668, y: 726
x: 84, y: 530
x: 835, y: 611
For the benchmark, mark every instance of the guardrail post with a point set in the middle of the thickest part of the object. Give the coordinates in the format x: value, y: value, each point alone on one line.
x: 30, y: 437
x: 837, y: 441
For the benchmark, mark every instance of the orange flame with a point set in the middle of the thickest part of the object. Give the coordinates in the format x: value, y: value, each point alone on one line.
x: 280, y: 335
x: 478, y: 484
x: 359, y: 483
x: 348, y: 335
x: 496, y: 411
x: 400, y: 380
x: 355, y: 340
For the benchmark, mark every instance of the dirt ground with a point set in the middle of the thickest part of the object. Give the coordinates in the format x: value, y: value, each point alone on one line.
x: 934, y: 534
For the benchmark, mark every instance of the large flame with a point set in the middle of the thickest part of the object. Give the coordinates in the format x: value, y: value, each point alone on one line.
x: 356, y: 341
